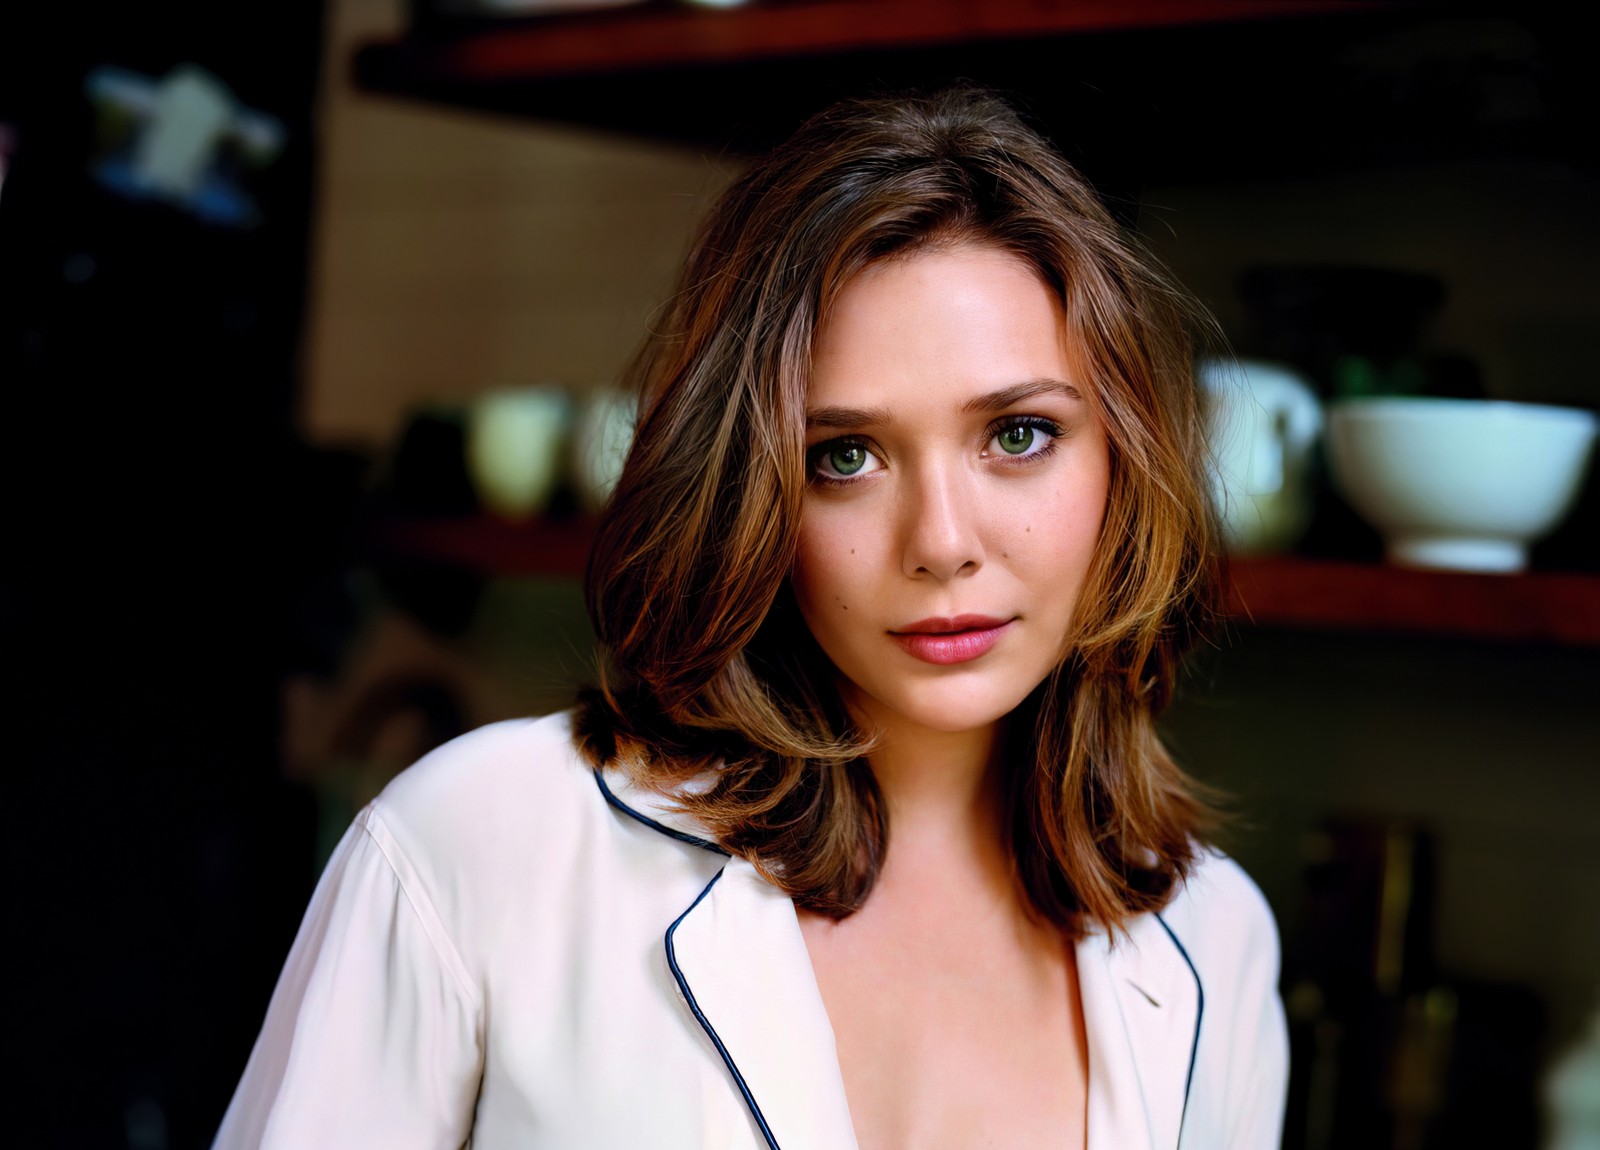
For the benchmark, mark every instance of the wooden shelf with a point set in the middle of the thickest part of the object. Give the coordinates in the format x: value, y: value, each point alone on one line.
x: 1304, y: 594
x: 670, y: 36
x: 1156, y: 91
x: 1530, y: 607
x: 487, y: 546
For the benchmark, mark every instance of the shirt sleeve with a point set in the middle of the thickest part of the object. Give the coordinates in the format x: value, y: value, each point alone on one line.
x: 374, y: 1034
x: 1259, y: 1063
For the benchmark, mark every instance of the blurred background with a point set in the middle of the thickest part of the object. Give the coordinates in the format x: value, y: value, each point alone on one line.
x: 311, y: 320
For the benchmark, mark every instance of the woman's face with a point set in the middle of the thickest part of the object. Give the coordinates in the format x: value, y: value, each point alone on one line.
x: 958, y: 477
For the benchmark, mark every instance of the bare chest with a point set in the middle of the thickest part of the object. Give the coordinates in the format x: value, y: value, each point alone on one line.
x: 957, y: 1039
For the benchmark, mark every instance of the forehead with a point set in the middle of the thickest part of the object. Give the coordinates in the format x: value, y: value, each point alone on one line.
x: 962, y: 316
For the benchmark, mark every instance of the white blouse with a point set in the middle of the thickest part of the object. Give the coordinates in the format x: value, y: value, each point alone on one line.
x: 509, y: 950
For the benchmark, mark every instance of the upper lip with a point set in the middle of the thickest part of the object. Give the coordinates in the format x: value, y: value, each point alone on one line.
x: 943, y: 625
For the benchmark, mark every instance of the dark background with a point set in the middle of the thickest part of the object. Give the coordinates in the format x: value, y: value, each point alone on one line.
x: 156, y: 863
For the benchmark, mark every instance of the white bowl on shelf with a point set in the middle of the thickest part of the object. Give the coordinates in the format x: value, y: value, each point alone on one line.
x: 1465, y: 484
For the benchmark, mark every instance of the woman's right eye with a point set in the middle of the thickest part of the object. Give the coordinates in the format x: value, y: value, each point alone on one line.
x: 840, y: 460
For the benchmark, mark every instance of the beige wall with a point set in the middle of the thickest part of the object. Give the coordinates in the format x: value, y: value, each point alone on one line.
x: 457, y: 252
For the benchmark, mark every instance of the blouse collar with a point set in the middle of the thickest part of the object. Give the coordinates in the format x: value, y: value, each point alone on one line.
x: 740, y: 961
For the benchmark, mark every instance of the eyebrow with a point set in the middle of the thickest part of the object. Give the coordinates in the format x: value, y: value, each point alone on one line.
x: 850, y: 418
x: 1017, y: 392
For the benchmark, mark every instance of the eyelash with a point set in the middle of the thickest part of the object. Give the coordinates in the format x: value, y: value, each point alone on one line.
x: 1051, y: 429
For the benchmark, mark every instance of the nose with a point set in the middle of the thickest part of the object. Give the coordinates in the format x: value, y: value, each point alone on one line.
x: 941, y: 533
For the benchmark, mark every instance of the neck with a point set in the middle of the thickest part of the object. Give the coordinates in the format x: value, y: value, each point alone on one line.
x: 942, y: 792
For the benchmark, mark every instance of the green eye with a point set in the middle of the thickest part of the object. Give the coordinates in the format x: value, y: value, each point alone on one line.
x: 847, y: 458
x: 1017, y: 439
x: 839, y: 460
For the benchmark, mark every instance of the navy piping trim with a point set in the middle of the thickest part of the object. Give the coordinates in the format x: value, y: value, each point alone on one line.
x: 1199, y: 1013
x: 705, y: 1024
x: 681, y: 836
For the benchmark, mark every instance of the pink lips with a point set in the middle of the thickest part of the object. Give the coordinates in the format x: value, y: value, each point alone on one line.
x: 945, y: 641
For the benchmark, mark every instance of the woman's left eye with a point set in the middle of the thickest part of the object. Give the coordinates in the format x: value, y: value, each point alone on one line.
x: 1023, y: 438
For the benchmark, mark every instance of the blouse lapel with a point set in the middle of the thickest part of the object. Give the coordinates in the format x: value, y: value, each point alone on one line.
x: 1142, y: 1006
x: 742, y: 964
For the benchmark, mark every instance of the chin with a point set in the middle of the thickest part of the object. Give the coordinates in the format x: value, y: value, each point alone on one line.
x: 950, y: 710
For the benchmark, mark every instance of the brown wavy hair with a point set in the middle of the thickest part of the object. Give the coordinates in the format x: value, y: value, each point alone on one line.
x: 707, y: 670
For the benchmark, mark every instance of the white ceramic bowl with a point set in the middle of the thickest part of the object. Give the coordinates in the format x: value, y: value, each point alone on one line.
x: 1459, y: 483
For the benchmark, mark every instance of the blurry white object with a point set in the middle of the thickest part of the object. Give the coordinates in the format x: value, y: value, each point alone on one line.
x: 1572, y: 1094
x: 192, y: 112
x: 1262, y: 421
x: 514, y: 448
x: 181, y: 123
x: 601, y: 444
x: 1459, y: 483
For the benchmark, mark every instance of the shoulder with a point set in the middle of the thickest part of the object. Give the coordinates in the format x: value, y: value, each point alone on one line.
x: 489, y: 809
x: 513, y: 816
x: 1218, y: 896
x: 1223, y: 922
x: 512, y: 769
x: 1241, y: 1057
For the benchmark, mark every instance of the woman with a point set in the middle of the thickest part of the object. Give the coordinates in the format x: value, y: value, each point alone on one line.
x: 866, y: 836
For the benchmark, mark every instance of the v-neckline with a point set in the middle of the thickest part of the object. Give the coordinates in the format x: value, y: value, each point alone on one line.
x: 742, y: 963
x: 1074, y: 1018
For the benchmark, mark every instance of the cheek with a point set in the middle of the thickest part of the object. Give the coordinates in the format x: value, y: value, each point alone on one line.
x: 806, y: 576
x: 1081, y: 503
x: 816, y: 575
x: 830, y: 576
x: 1060, y: 535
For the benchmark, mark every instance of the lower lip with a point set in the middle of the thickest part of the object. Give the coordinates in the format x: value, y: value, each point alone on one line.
x: 952, y: 647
